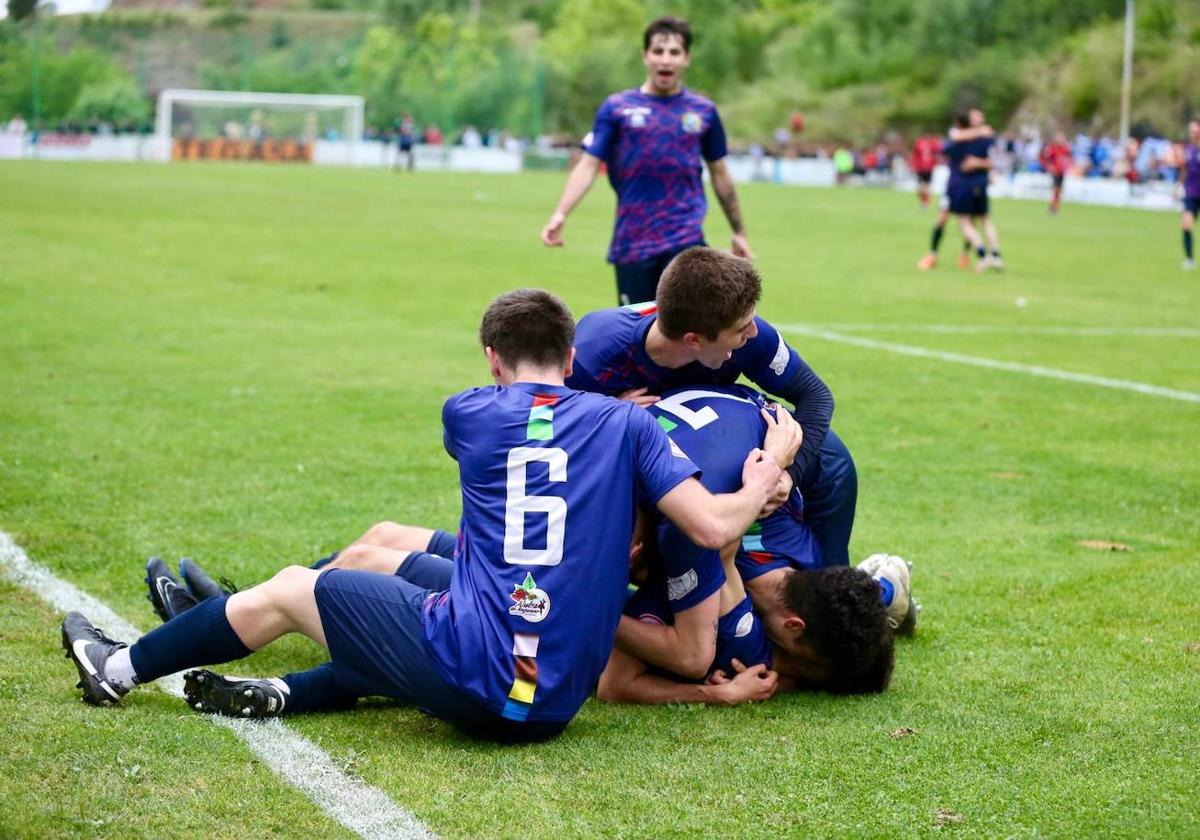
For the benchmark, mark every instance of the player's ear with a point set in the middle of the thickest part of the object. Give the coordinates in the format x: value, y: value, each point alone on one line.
x: 692, y: 340
x: 570, y: 364
x: 795, y: 624
x: 493, y: 362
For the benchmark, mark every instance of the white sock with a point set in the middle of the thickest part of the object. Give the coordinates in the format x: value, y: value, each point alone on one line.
x: 118, y: 670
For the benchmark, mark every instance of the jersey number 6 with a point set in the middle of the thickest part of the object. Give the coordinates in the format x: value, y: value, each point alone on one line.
x: 518, y: 504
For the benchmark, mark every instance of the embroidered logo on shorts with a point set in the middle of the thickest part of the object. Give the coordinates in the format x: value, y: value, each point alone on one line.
x: 782, y: 356
x: 692, y: 123
x: 529, y: 602
x: 677, y: 587
x: 744, y: 626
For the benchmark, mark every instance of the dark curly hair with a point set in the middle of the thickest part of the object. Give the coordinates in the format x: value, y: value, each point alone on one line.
x: 846, y: 624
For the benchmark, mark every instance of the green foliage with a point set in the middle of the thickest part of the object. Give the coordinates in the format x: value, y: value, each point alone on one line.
x: 116, y: 100
x: 32, y: 69
x: 19, y: 10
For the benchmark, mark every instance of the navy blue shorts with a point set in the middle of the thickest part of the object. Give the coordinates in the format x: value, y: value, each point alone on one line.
x: 969, y: 201
x: 1191, y: 205
x: 637, y: 282
x: 431, y: 569
x: 442, y: 543
x: 373, y: 626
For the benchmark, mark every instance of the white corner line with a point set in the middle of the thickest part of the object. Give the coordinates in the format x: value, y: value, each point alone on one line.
x: 363, y: 809
x: 994, y: 364
x: 1002, y: 329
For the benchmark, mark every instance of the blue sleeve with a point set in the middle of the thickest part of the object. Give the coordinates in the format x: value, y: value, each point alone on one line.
x: 741, y: 636
x: 770, y: 363
x: 693, y: 573
x: 660, y: 464
x: 449, y: 424
x: 712, y: 143
x: 599, y: 140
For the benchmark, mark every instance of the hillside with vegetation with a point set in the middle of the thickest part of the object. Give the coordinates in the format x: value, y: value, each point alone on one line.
x: 855, y: 68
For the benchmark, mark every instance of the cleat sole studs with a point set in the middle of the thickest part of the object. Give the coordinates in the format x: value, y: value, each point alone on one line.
x: 247, y: 693
x: 246, y: 711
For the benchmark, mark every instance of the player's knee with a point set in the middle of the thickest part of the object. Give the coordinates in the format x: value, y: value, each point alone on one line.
x: 354, y: 557
x: 383, y: 533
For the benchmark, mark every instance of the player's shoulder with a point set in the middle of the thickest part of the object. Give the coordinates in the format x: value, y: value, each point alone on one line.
x: 696, y: 100
x: 612, y: 323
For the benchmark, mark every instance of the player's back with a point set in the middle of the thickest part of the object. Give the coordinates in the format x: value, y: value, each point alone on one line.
x: 549, y: 478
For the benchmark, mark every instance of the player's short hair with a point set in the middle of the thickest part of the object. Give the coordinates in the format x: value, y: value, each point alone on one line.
x: 963, y: 119
x: 704, y: 291
x: 668, y: 25
x: 528, y: 325
x: 846, y: 624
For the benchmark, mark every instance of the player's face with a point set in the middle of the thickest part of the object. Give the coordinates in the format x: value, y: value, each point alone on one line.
x: 1194, y: 131
x: 715, y: 353
x: 665, y: 61
x: 976, y: 117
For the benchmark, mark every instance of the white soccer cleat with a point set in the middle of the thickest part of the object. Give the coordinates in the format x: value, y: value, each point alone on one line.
x: 1188, y: 265
x: 893, y: 573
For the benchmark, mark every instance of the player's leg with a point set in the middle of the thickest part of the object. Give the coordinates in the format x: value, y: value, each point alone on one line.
x: 1188, y: 224
x: 216, y: 630
x: 830, y: 493
x: 315, y: 690
x: 1056, y: 194
x: 993, y: 241
x: 935, y: 240
x: 394, y: 536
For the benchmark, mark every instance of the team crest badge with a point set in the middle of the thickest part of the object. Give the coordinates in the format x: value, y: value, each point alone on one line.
x: 636, y: 116
x: 692, y: 123
x: 529, y: 602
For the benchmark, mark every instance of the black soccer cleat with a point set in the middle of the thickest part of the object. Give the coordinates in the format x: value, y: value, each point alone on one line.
x: 201, y: 585
x: 167, y: 595
x: 206, y: 691
x: 90, y: 649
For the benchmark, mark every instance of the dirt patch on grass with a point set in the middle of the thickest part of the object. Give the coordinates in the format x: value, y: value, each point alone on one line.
x: 1104, y: 545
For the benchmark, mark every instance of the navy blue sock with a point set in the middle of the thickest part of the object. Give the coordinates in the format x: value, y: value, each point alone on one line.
x: 981, y: 252
x: 996, y: 252
x: 1187, y: 244
x: 199, y: 636
x: 325, y: 561
x: 316, y: 690
x: 936, y: 241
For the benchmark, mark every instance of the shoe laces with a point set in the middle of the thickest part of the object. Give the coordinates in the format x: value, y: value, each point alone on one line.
x: 229, y: 586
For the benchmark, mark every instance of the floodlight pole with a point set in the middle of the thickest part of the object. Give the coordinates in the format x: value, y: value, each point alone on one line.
x: 1127, y: 73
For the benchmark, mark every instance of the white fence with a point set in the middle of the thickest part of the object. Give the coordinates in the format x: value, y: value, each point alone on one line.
x: 808, y: 172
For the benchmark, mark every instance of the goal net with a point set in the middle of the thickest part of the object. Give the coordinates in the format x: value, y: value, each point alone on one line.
x: 245, y: 125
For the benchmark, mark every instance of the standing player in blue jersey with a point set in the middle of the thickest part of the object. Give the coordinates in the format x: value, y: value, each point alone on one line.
x: 653, y: 139
x: 703, y: 329
x: 968, y: 154
x: 1191, y: 192
x: 550, y: 478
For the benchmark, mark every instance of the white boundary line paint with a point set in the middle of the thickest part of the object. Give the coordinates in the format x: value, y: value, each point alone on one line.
x: 365, y: 810
x: 1000, y: 329
x: 993, y: 364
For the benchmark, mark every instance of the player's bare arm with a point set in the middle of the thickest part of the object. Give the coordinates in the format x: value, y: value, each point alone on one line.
x: 686, y: 648
x: 625, y: 680
x: 578, y: 183
x: 722, y: 183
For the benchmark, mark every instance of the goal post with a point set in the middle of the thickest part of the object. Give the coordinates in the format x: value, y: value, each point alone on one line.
x: 253, y: 125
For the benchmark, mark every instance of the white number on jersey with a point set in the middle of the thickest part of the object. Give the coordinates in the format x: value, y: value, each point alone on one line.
x: 676, y: 404
x: 519, y: 504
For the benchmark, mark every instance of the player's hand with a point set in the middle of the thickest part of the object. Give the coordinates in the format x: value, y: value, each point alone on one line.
x: 760, y: 473
x: 782, y: 490
x: 756, y: 683
x: 741, y: 248
x: 638, y: 396
x: 784, y: 435
x: 552, y: 232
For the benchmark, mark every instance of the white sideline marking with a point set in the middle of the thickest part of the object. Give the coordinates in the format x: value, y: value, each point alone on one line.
x: 994, y: 364
x: 999, y: 329
x: 365, y: 810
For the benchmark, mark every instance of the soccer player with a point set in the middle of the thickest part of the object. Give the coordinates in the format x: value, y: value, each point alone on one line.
x: 969, y: 155
x: 1055, y: 159
x: 703, y: 329
x: 926, y: 151
x: 550, y: 478
x: 652, y: 140
x: 1191, y: 192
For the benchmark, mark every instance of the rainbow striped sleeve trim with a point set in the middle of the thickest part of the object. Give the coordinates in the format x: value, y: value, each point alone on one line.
x: 541, y: 417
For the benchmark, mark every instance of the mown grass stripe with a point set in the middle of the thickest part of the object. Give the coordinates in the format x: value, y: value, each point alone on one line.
x: 363, y: 809
x: 995, y: 364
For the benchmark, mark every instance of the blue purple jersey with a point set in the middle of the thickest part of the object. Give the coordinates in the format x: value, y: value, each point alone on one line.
x: 653, y: 147
x: 958, y: 151
x: 1191, y: 177
x: 611, y: 357
x: 549, y: 480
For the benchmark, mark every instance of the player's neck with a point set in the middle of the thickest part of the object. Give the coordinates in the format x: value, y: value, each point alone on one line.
x: 532, y: 374
x: 649, y: 89
x: 665, y: 352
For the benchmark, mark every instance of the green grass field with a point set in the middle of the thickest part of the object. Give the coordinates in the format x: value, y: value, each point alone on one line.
x: 246, y: 365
